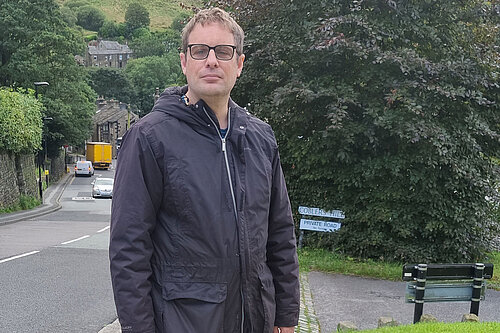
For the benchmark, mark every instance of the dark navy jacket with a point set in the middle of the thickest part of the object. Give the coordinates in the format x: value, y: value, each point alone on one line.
x: 182, y: 259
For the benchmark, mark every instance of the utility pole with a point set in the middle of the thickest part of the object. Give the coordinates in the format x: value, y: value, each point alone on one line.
x: 40, y: 164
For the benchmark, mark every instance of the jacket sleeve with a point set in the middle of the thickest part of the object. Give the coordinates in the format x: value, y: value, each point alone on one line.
x: 282, y: 252
x: 137, y: 196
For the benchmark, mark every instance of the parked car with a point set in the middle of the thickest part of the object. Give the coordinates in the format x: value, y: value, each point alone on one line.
x: 102, y: 187
x: 84, y: 168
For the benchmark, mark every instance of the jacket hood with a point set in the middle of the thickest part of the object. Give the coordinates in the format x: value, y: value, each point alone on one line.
x: 172, y: 103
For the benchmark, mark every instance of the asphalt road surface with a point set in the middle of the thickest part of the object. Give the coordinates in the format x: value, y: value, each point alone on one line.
x: 54, y: 269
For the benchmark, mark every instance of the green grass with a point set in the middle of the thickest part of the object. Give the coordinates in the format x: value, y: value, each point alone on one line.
x: 484, y: 327
x: 494, y: 258
x: 161, y: 12
x: 327, y: 261
x: 24, y: 202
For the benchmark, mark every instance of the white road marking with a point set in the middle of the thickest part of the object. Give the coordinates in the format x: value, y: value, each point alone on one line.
x: 82, y: 198
x: 103, y: 229
x: 75, y: 240
x: 18, y: 256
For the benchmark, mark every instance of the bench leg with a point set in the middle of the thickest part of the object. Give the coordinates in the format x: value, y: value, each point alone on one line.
x: 476, y: 288
x: 420, y: 292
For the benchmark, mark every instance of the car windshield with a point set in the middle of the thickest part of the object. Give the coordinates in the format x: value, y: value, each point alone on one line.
x: 104, y: 181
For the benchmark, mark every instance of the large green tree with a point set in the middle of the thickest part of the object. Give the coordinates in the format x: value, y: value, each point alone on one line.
x: 148, y: 73
x: 136, y: 16
x: 112, y: 83
x: 157, y: 43
x: 90, y: 18
x: 387, y: 110
x: 36, y: 45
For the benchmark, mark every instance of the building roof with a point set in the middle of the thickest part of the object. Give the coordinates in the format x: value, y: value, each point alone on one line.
x: 108, y: 47
x: 111, y: 112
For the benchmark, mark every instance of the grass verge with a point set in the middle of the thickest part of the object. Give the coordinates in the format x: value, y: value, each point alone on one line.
x: 441, y: 328
x: 24, y: 202
x: 327, y: 261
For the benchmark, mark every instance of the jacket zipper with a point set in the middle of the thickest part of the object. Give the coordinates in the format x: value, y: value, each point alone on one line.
x: 228, y: 170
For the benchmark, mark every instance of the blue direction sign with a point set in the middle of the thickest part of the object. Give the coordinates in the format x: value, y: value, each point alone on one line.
x: 337, y: 214
x: 315, y: 225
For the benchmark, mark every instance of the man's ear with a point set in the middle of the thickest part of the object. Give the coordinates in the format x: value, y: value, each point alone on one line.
x: 183, y: 62
x: 241, y: 60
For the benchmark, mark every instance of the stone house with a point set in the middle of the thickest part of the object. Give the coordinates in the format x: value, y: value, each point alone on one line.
x: 102, y: 53
x: 111, y: 120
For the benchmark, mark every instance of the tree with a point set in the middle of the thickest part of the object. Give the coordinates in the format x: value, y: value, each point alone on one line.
x: 136, y: 16
x: 90, y: 18
x: 386, y: 110
x: 148, y: 73
x: 36, y: 45
x: 112, y: 29
x: 111, y: 83
x: 155, y: 43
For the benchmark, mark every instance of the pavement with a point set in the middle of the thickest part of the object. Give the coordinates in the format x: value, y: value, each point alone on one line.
x: 326, y: 299
x: 50, y: 204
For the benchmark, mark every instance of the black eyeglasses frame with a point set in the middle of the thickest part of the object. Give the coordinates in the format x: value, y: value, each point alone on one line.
x: 211, y: 48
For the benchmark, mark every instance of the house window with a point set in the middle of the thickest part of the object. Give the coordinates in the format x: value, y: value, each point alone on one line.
x: 95, y: 57
x: 128, y: 56
x: 120, y: 57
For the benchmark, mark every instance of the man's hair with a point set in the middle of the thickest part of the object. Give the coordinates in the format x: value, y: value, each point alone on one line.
x: 214, y: 15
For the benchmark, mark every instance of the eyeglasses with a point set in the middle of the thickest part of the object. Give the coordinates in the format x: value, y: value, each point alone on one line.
x: 201, y: 51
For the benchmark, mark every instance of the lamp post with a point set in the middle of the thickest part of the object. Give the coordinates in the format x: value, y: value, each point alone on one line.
x: 37, y: 84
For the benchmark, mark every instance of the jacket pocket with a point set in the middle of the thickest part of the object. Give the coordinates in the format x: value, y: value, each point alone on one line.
x: 193, y: 306
x: 267, y: 294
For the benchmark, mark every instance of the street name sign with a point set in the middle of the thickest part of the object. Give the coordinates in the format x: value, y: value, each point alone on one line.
x: 316, y: 225
x: 337, y: 214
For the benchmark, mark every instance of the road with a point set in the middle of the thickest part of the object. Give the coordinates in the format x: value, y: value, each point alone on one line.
x: 54, y: 269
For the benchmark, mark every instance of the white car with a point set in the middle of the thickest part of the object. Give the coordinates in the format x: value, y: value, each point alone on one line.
x: 84, y: 168
x: 102, y: 187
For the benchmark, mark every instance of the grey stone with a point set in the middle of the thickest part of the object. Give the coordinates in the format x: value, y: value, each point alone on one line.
x: 428, y: 318
x: 470, y: 317
x: 346, y: 326
x: 387, y: 321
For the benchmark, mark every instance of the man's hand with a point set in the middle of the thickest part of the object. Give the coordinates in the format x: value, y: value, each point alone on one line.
x: 283, y: 329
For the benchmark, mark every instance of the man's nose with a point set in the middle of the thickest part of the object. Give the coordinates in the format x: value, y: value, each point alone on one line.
x: 212, y: 60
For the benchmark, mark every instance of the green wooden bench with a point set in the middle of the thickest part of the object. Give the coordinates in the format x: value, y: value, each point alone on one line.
x: 445, y: 283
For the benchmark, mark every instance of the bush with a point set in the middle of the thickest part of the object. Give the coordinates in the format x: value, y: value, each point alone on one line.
x: 20, y: 121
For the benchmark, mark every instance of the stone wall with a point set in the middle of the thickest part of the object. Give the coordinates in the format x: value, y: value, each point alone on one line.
x: 57, y: 168
x: 18, y: 176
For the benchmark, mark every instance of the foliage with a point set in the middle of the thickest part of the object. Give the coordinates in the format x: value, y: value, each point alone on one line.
x: 36, y: 45
x: 69, y: 16
x: 24, y: 202
x: 111, y: 83
x: 161, y: 13
x: 20, y: 121
x: 180, y: 21
x: 155, y: 43
x: 90, y: 18
x: 148, y: 73
x: 330, y: 262
x: 467, y: 327
x: 136, y: 16
x: 386, y: 110
x: 112, y: 29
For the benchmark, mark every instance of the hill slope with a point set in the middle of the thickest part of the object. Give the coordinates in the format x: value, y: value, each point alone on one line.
x: 161, y: 12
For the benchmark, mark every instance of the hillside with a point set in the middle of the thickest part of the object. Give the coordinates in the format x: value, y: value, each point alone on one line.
x: 161, y: 12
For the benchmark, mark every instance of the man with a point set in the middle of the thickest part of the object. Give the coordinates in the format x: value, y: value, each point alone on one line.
x: 202, y: 236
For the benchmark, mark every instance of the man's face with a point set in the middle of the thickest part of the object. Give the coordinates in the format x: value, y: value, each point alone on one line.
x: 211, y: 78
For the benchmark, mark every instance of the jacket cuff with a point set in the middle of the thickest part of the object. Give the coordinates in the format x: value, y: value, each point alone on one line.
x: 287, y: 317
